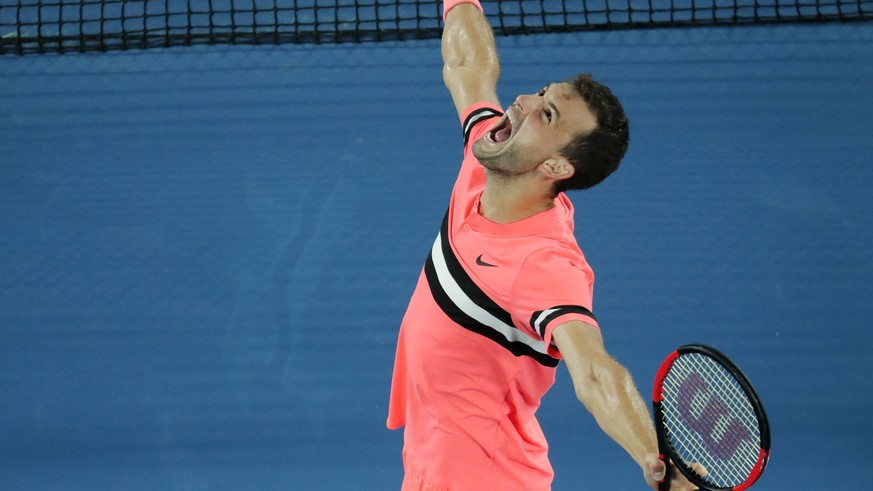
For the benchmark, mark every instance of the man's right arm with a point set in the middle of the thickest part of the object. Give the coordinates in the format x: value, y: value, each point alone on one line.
x: 470, y: 64
x: 608, y: 392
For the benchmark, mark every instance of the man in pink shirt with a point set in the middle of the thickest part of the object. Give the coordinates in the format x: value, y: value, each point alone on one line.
x: 505, y: 292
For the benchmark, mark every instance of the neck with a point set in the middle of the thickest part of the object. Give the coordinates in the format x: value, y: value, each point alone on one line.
x: 506, y: 199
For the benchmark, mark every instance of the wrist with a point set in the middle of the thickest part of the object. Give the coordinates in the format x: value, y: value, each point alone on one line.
x: 450, y: 4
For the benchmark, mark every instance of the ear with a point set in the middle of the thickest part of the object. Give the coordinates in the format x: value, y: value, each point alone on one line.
x: 557, y: 168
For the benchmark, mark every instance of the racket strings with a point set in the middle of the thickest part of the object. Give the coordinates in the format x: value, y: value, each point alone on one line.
x: 710, y: 420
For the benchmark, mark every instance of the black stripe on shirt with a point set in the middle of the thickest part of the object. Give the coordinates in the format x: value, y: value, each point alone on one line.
x: 466, y: 283
x: 475, y: 295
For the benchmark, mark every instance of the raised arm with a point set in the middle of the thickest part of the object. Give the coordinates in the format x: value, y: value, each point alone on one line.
x: 470, y: 64
x: 607, y: 390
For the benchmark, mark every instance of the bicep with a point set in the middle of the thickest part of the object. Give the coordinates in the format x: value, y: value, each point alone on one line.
x: 470, y: 64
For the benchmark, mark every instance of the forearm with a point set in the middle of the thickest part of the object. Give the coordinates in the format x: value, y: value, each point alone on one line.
x: 610, y: 395
x: 467, y: 38
x: 470, y: 63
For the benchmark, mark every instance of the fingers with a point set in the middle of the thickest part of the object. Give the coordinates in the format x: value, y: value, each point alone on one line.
x: 678, y: 482
x: 657, y: 468
x: 699, y: 469
x: 654, y: 470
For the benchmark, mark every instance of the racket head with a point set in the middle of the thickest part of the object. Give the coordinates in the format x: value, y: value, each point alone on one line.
x: 707, y: 412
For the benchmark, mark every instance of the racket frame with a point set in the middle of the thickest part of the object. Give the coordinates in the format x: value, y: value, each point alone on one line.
x: 665, y: 449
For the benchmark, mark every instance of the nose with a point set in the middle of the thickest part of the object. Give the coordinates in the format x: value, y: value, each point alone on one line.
x: 527, y: 102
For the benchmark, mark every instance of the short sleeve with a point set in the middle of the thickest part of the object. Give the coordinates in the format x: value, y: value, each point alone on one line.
x: 476, y: 120
x: 553, y: 286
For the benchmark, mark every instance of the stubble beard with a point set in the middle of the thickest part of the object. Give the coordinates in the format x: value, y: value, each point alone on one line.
x: 503, y: 163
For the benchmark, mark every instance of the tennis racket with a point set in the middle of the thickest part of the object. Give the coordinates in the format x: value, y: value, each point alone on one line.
x: 707, y: 414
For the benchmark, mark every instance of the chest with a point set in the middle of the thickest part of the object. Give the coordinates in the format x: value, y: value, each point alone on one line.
x: 493, y: 262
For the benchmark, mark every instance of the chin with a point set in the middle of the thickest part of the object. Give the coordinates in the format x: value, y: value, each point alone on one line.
x: 501, y: 163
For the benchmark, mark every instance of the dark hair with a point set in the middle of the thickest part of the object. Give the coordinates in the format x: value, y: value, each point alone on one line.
x: 597, y: 153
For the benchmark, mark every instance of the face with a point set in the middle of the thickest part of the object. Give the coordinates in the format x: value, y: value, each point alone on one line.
x: 534, y: 129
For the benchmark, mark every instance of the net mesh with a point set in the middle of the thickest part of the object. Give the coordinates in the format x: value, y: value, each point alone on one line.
x: 45, y: 26
x: 710, y: 420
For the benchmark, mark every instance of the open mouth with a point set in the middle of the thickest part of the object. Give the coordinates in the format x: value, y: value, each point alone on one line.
x: 501, y: 132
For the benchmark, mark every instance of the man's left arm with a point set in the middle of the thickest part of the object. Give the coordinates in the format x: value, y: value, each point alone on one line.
x: 608, y: 392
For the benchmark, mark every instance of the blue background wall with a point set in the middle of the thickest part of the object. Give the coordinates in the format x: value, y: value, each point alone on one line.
x: 205, y: 253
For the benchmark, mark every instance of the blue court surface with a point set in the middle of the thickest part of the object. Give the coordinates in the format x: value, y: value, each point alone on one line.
x: 205, y: 253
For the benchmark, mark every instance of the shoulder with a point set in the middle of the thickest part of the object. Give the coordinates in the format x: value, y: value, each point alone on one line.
x: 558, y: 256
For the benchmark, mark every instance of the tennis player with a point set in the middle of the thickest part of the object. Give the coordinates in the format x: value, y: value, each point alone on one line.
x: 505, y: 292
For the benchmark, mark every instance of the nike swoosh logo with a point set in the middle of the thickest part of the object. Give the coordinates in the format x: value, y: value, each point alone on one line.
x: 480, y: 262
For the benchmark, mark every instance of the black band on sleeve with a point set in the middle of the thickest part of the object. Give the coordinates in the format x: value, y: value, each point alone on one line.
x: 541, y: 318
x: 475, y: 117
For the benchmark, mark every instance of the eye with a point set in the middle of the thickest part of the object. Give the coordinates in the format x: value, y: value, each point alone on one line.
x: 542, y: 91
x: 548, y: 113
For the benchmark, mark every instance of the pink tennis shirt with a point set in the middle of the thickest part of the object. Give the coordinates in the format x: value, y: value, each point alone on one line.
x: 474, y: 353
